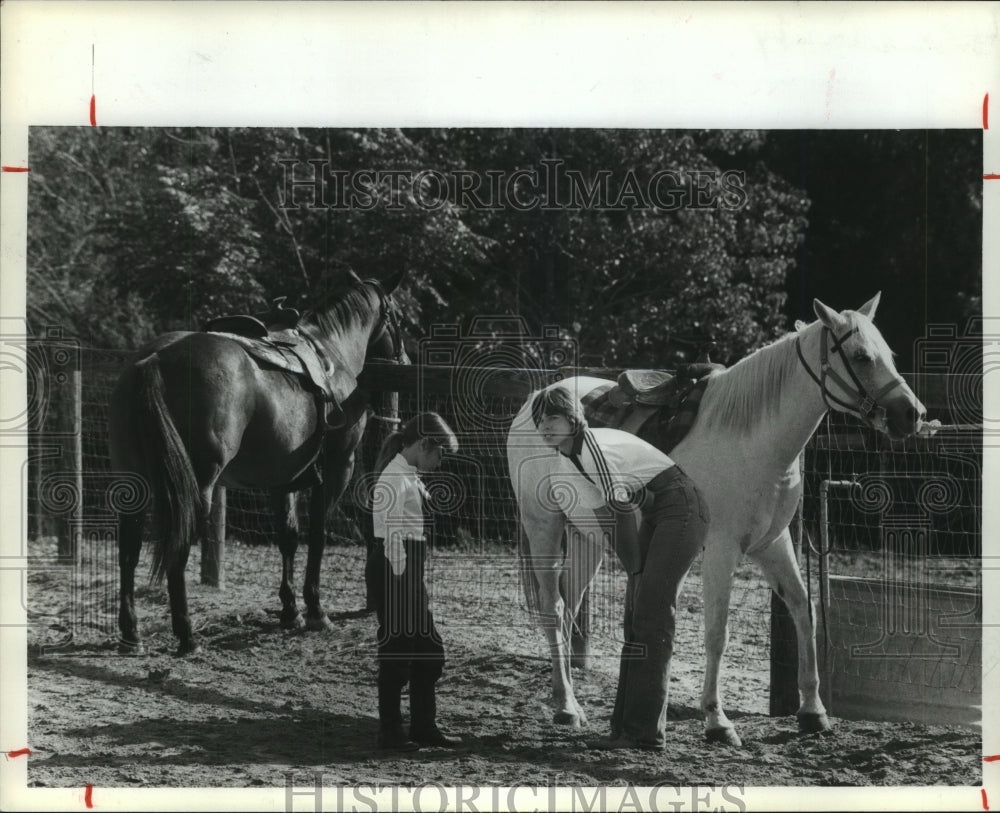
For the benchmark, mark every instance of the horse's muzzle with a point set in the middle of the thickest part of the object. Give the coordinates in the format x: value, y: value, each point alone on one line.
x: 903, y: 416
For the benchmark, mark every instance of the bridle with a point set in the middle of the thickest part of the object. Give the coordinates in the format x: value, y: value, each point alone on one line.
x: 388, y: 321
x: 867, y: 404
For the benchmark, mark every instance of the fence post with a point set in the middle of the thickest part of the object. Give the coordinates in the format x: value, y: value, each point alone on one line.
x: 784, y: 697
x: 71, y: 530
x: 213, y: 547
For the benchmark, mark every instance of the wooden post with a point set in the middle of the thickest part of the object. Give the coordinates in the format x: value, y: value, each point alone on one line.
x: 213, y: 547
x: 784, y: 697
x: 71, y: 527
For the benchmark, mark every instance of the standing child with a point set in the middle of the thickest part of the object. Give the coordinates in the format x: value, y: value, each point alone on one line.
x: 618, y: 469
x: 409, y: 647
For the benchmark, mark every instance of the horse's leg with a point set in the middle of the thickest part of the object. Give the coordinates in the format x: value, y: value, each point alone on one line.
x: 584, y: 556
x: 718, y: 567
x: 319, y: 500
x: 777, y: 561
x: 177, y: 590
x: 335, y: 479
x: 129, y: 545
x: 176, y: 583
x: 544, y: 560
x: 540, y: 544
x: 283, y: 508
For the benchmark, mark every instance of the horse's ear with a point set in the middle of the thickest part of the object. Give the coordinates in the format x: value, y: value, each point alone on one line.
x: 352, y: 276
x: 828, y: 316
x: 394, y: 281
x: 868, y: 309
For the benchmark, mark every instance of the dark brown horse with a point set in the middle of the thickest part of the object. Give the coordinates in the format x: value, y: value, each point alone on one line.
x: 193, y: 410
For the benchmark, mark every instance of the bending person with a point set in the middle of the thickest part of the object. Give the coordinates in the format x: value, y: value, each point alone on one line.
x: 620, y: 470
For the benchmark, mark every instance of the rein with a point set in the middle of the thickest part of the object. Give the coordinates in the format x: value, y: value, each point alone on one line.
x: 866, y: 404
x: 388, y: 322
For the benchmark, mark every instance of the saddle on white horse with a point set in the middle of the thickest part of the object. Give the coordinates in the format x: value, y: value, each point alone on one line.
x: 641, y: 396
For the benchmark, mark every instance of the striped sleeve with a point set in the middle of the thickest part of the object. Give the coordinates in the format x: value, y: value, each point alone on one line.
x: 613, y: 493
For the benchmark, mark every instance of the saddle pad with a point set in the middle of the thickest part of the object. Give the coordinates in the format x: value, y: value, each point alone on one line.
x: 300, y: 359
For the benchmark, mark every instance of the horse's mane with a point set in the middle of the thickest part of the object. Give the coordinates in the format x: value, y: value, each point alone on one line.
x: 342, y: 310
x: 739, y: 398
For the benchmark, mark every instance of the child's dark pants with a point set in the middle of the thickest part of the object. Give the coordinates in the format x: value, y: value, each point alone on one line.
x: 409, y: 647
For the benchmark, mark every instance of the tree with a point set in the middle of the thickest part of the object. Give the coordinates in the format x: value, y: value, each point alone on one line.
x: 645, y: 245
x: 895, y: 210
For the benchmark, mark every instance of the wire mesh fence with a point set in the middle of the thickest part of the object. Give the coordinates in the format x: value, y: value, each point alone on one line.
x: 891, y: 530
x: 894, y: 529
x: 472, y: 497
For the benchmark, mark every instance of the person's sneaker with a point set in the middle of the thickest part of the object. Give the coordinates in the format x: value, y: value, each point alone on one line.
x: 435, y: 737
x: 396, y: 741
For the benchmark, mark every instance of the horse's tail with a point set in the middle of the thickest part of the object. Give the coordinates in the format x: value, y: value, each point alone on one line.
x: 168, y: 468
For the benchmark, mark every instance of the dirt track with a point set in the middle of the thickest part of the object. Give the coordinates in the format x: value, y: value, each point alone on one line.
x: 258, y: 702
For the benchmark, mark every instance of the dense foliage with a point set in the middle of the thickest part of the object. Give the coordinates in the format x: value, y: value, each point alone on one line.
x: 135, y: 231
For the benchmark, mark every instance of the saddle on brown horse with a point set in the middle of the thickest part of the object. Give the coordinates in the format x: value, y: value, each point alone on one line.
x: 273, y: 338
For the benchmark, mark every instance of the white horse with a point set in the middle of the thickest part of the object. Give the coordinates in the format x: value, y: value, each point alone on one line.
x: 742, y: 452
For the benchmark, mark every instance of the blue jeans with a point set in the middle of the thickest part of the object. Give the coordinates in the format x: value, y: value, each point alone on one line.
x: 674, y: 523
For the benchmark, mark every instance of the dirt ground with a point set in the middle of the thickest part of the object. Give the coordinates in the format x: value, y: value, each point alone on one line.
x: 258, y: 703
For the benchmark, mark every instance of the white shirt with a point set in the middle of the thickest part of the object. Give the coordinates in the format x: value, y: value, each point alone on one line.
x: 610, y: 465
x: 398, y: 509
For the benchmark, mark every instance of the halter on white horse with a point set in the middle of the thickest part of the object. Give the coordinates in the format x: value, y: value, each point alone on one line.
x: 865, y: 405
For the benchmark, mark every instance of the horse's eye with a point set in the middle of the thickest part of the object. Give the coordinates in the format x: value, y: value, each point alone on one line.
x: 862, y: 358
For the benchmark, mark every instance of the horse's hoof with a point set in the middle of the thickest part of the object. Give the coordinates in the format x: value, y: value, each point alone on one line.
x: 319, y: 623
x: 567, y: 718
x: 725, y: 736
x: 812, y: 723
x: 187, y: 648
x: 131, y: 648
x: 297, y: 622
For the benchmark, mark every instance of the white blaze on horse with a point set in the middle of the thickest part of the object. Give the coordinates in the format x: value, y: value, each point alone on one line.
x: 755, y: 419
